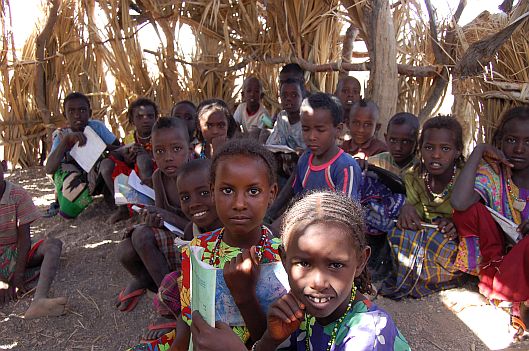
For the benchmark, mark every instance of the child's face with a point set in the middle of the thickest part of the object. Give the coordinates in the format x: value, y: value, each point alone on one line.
x: 252, y: 93
x: 291, y: 97
x: 77, y: 112
x: 349, y: 93
x: 213, y: 124
x: 319, y: 132
x: 401, y: 142
x: 515, y: 143
x: 438, y: 151
x: 362, y: 125
x: 322, y: 264
x: 196, y: 200
x: 170, y: 149
x: 143, y: 118
x: 188, y: 114
x: 242, y: 194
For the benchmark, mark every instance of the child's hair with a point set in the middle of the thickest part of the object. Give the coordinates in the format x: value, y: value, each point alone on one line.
x: 294, y: 69
x: 292, y: 81
x: 141, y: 102
x: 245, y: 147
x: 369, y: 104
x: 518, y: 112
x: 329, y: 207
x: 406, y: 118
x: 183, y: 102
x: 213, y: 105
x: 345, y: 79
x: 249, y: 79
x: 449, y: 123
x: 327, y: 102
x: 74, y: 96
x: 171, y: 122
x: 194, y: 166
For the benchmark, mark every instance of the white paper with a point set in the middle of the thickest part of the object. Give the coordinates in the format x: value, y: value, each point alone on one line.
x: 508, y: 226
x: 280, y: 148
x: 135, y: 182
x: 87, y: 155
x: 176, y: 231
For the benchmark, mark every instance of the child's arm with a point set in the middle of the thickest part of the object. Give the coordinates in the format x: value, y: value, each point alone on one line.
x: 463, y: 194
x: 241, y: 275
x: 183, y: 335
x: 23, y: 247
x: 65, y: 145
x: 286, y: 193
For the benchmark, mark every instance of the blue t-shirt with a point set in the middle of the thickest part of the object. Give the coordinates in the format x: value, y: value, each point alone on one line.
x: 341, y: 173
x: 98, y: 127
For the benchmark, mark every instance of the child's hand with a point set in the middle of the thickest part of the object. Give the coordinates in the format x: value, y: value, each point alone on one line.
x: 151, y: 217
x: 129, y: 154
x: 72, y: 138
x: 241, y: 275
x: 284, y: 317
x: 409, y: 218
x: 523, y: 228
x: 207, y: 338
x: 493, y: 156
x: 217, y: 142
x: 447, y: 227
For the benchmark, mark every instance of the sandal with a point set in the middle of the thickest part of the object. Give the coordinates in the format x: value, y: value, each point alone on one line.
x: 133, y: 298
x: 518, y: 325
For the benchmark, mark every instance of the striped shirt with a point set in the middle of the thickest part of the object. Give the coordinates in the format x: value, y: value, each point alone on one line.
x: 16, y: 209
x: 341, y: 173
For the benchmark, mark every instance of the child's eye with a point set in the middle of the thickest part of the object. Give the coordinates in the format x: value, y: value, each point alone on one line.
x: 177, y: 148
x: 446, y: 148
x: 158, y: 151
x: 204, y: 193
x: 302, y: 264
x: 254, y: 191
x: 510, y: 140
x: 336, y: 265
x: 227, y: 191
x: 428, y: 147
x: 184, y: 198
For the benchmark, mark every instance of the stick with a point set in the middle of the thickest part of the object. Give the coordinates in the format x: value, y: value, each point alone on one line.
x: 90, y: 300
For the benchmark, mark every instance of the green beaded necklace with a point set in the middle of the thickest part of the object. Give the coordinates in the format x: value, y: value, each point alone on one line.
x: 336, y: 325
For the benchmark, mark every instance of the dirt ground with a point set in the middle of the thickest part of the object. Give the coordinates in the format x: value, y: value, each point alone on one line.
x: 91, y: 277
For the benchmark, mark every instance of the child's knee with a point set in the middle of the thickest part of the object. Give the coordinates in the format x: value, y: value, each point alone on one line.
x: 126, y: 252
x: 107, y: 166
x: 142, y: 236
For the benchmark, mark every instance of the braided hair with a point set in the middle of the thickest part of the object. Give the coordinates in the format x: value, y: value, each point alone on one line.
x: 329, y: 207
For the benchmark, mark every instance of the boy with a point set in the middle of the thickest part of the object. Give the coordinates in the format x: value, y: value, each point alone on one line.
x: 19, y: 258
x: 74, y: 187
x: 348, y: 91
x: 324, y: 165
x: 148, y: 251
x: 363, y: 124
x: 187, y: 111
x: 251, y: 114
x: 135, y: 154
x: 401, y: 138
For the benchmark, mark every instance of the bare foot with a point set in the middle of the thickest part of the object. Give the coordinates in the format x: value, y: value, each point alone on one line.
x: 46, y: 307
x: 121, y: 213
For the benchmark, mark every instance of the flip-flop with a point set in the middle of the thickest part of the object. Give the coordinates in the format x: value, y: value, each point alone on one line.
x: 518, y: 325
x: 168, y: 325
x: 133, y: 296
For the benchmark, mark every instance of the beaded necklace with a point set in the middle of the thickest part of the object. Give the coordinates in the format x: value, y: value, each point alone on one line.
x: 518, y: 203
x: 337, y: 325
x: 446, y: 190
x: 142, y: 138
x: 260, y: 246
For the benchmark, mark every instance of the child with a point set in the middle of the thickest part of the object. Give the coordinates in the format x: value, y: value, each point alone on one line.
x: 324, y: 253
x: 324, y: 165
x: 187, y: 111
x: 74, y: 187
x: 497, y: 177
x: 244, y: 185
x: 147, y: 251
x: 295, y: 72
x: 19, y: 257
x: 215, y: 126
x: 251, y: 113
x: 135, y: 154
x: 348, y: 91
x: 401, y: 138
x: 363, y: 124
x: 425, y: 254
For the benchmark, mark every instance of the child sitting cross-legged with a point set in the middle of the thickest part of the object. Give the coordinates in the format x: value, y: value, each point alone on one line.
x: 243, y: 181
x: 324, y: 252
x: 147, y: 251
x: 20, y: 259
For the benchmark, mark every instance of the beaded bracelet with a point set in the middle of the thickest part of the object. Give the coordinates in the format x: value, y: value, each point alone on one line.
x: 254, y: 347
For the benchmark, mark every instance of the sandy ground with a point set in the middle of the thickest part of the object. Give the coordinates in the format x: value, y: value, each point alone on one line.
x: 91, y: 277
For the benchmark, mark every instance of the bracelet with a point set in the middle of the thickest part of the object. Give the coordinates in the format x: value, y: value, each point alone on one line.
x: 254, y: 347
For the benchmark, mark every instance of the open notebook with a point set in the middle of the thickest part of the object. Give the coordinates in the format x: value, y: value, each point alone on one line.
x: 508, y: 226
x: 87, y: 155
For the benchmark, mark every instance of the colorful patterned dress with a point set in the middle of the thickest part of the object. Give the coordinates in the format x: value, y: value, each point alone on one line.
x: 365, y: 327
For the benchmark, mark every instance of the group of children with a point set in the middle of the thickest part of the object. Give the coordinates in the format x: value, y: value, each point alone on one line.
x: 332, y: 203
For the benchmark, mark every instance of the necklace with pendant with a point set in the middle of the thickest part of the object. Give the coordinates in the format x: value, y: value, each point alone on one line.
x: 517, y: 203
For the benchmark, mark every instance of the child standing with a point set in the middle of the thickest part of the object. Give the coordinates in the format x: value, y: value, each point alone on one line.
x: 363, y: 124
x: 251, y: 113
x: 497, y: 177
x: 74, y: 187
x: 147, y: 251
x: 18, y: 256
x: 244, y: 185
x: 401, y: 137
x: 215, y: 126
x: 187, y: 111
x: 324, y: 253
x: 348, y: 91
x: 425, y: 256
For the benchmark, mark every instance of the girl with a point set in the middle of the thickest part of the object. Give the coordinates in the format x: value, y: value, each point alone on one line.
x: 243, y: 182
x: 187, y: 111
x: 423, y: 244
x: 498, y: 176
x: 324, y: 252
x: 215, y: 126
